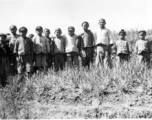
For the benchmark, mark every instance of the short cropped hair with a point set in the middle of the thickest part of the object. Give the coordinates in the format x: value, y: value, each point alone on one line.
x: 58, y: 29
x: 85, y: 22
x: 122, y: 32
x: 12, y: 27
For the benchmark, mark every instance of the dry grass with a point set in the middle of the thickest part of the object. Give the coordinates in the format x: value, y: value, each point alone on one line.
x: 121, y: 92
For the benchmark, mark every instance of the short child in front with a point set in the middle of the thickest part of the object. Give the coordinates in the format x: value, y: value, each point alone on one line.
x: 122, y: 48
x: 87, y: 46
x: 142, y: 48
x: 59, y: 50
x: 72, y: 48
x: 41, y: 50
x: 24, y: 49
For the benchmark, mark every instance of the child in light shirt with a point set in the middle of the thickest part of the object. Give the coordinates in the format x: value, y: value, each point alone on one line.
x: 72, y: 48
x: 142, y: 48
x: 59, y: 50
x: 12, y: 56
x: 122, y: 48
x: 41, y: 50
x: 102, y: 42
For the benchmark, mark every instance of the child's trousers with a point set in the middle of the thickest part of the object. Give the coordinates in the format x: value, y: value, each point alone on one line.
x: 144, y: 57
x: 72, y: 60
x: 13, y: 64
x: 59, y: 61
x: 122, y: 58
x: 25, y: 64
x: 87, y: 56
x: 49, y: 60
x: 4, y: 69
x: 41, y: 60
x: 102, y: 57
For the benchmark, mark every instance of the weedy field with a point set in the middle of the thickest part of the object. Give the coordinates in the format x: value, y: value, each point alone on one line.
x: 121, y: 92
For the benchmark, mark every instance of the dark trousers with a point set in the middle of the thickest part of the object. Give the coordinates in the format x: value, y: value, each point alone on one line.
x: 4, y: 69
x: 72, y: 60
x: 50, y: 61
x: 122, y: 57
x: 13, y: 64
x: 87, y: 56
x: 59, y: 61
x: 144, y: 57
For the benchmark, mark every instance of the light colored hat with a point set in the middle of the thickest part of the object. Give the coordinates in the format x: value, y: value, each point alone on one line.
x: 102, y: 20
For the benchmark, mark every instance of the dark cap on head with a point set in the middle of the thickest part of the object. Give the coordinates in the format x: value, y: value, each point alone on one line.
x: 13, y: 27
x: 23, y: 29
x: 85, y: 22
x: 58, y: 29
x: 102, y: 20
x: 122, y: 32
x: 142, y: 31
x: 71, y: 28
x: 39, y: 28
x: 2, y: 34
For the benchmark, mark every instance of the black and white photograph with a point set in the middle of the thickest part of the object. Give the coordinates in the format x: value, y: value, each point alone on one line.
x: 75, y: 59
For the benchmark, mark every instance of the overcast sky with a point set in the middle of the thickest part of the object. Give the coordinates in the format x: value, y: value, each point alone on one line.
x: 126, y: 14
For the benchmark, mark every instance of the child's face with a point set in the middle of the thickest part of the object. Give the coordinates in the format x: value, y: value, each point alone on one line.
x: 122, y: 36
x: 13, y: 31
x: 102, y: 24
x: 71, y: 32
x: 142, y: 35
x: 57, y: 33
x: 23, y: 33
x: 39, y: 32
x: 47, y: 33
x: 85, y: 26
x: 2, y: 39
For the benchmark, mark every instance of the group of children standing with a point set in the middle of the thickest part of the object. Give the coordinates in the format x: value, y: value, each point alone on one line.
x: 19, y: 53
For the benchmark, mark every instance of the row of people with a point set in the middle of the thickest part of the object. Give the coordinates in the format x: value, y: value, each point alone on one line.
x: 40, y: 51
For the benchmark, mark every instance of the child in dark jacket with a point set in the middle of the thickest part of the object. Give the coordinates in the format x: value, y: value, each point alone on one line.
x: 87, y: 46
x: 4, y: 60
x: 24, y: 50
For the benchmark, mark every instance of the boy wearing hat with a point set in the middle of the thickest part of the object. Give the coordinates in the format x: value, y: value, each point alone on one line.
x: 102, y: 42
x: 24, y: 50
x: 4, y: 60
x: 41, y: 50
x: 72, y: 48
x: 122, y: 48
x: 59, y: 50
x: 12, y: 56
x: 47, y: 35
x: 142, y: 47
x: 87, y: 45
